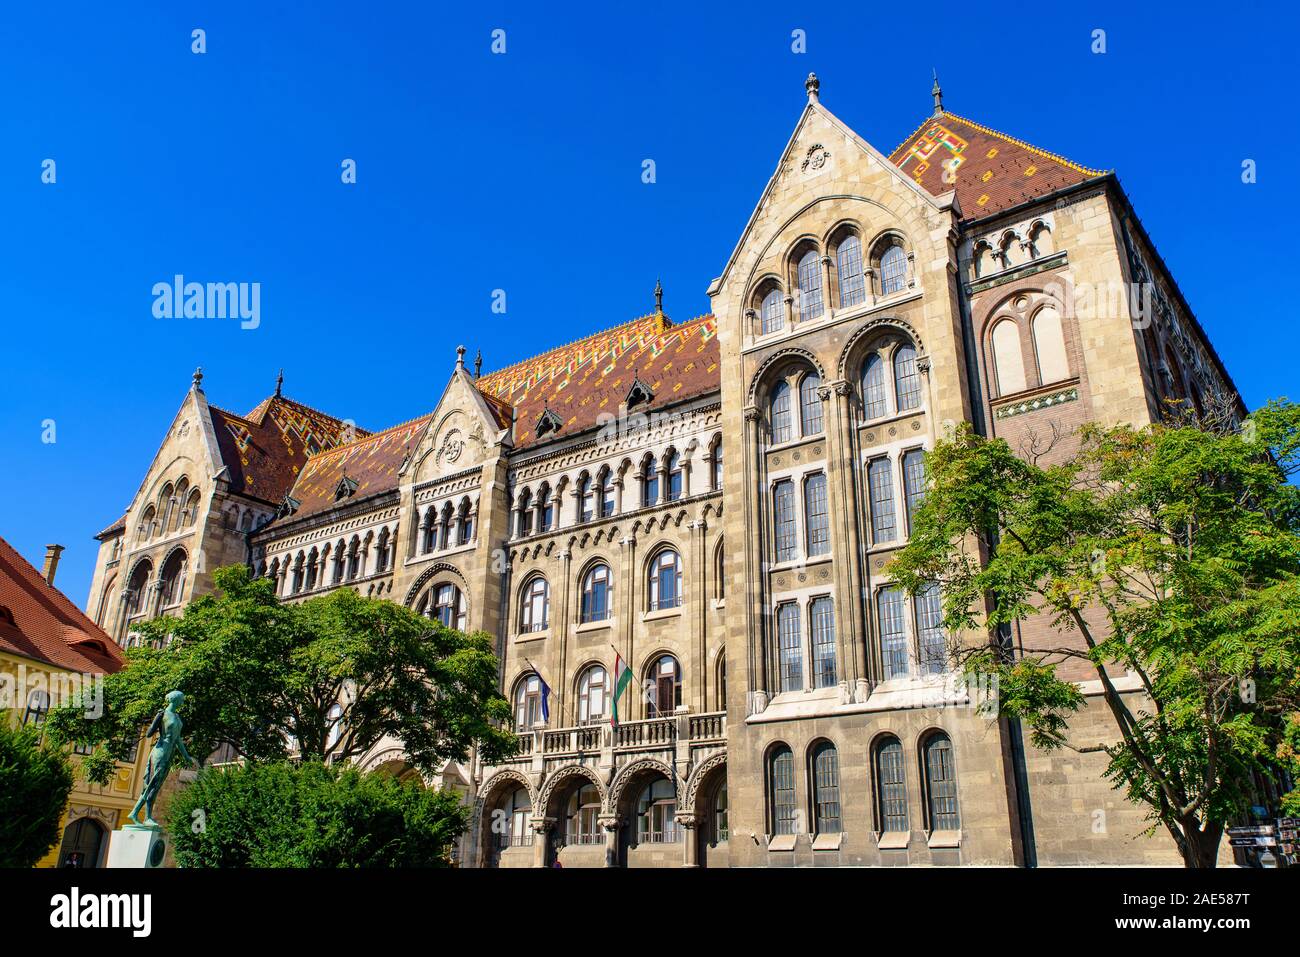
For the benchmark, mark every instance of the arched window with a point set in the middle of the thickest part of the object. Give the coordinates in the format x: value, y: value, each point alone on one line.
x: 781, y: 420
x: 816, y: 519
x: 381, y: 551
x: 656, y: 813
x: 940, y: 784
x: 650, y: 482
x: 721, y: 683
x: 606, y: 504
x: 665, y: 580
x: 874, y: 401
x: 674, y: 469
x: 783, y: 517
x: 780, y: 789
x: 546, y: 508
x: 354, y: 558
x: 191, y: 512
x: 299, y: 574
x: 528, y: 702
x: 773, y: 312
x: 880, y: 491
x: 466, y: 516
x: 586, y: 498
x: 720, y: 823
x: 449, y: 606
x: 430, y: 525
x: 913, y: 482
x: 893, y: 636
x: 1008, y: 363
x: 173, y: 579
x: 518, y: 808
x: 893, y: 270
x: 581, y: 824
x: 535, y: 606
x: 891, y: 786
x: 932, y: 645
x: 789, y: 646
x: 907, y: 381
x: 848, y: 265
x: 526, y: 512
x: 340, y: 560
x: 596, y: 589
x: 810, y: 286
x: 663, y: 687
x: 1049, y: 346
x: 147, y: 522
x: 810, y: 404
x: 313, y: 568
x: 716, y: 458
x: 826, y: 789
x: 821, y: 612
x: 593, y: 696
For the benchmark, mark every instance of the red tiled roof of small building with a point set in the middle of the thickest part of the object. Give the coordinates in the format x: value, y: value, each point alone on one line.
x: 993, y: 171
x: 267, y: 449
x: 584, y: 379
x: 39, y: 622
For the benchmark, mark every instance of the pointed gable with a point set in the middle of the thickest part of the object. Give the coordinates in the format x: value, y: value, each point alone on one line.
x: 266, y: 450
x: 989, y: 170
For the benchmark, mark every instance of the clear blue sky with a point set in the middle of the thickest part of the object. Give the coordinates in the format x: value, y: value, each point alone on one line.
x: 522, y: 172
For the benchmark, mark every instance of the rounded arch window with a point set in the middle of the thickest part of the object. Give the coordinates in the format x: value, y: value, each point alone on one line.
x: 771, y: 310
x: 593, y: 695
x: 446, y: 605
x: 782, y: 813
x: 825, y: 768
x: 518, y: 809
x: 810, y: 285
x: 1008, y: 363
x: 848, y: 269
x: 535, y: 605
x: 1049, y: 345
x: 893, y: 268
x: 137, y: 588
x: 656, y: 813
x: 891, y: 785
x: 663, y: 687
x: 665, y: 583
x: 940, y: 783
x: 173, y: 579
x: 650, y: 482
x: 907, y: 380
x: 810, y: 405
x: 528, y: 702
x: 597, y: 590
x: 781, y: 416
x: 582, y: 816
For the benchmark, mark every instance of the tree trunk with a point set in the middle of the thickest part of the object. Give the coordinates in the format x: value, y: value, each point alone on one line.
x: 1202, y: 843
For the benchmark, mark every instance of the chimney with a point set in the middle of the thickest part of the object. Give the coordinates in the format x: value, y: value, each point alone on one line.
x: 52, y: 553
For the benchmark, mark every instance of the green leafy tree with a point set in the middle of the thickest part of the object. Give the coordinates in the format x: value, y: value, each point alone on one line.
x: 1170, y: 553
x: 262, y: 677
x: 282, y: 814
x: 35, y: 781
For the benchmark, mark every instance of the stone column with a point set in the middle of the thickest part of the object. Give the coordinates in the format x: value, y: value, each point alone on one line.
x: 542, y: 827
x: 826, y: 286
x: 752, y: 549
x: 851, y: 628
x: 690, y: 847
x: 610, y: 822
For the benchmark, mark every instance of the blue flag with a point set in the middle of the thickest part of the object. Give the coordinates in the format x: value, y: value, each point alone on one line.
x: 546, y: 700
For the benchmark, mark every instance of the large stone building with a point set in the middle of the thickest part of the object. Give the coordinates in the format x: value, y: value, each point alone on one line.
x: 788, y: 705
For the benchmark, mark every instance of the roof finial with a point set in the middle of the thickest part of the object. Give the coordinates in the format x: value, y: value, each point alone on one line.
x: 279, y: 383
x: 813, y: 86
x: 659, y: 298
x: 937, y: 94
x: 460, y: 357
x: 198, y: 379
x: 478, y: 364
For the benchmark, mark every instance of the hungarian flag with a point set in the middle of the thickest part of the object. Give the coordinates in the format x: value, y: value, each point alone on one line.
x: 622, y: 678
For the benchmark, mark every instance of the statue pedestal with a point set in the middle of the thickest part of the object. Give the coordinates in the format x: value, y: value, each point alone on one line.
x: 137, y: 845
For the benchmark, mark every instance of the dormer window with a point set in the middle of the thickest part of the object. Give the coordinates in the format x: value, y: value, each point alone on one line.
x: 638, y: 394
x: 288, y: 506
x: 547, y: 423
x: 346, y: 488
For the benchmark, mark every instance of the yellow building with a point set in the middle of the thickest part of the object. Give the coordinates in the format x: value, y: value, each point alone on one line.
x: 49, y: 650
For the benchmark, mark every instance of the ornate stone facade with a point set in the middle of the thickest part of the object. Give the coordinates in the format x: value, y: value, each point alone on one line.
x: 787, y: 705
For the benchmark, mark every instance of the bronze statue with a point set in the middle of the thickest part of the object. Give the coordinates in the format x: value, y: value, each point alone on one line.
x: 167, y: 724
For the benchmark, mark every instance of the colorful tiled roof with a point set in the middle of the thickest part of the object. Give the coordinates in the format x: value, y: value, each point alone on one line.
x: 371, y: 463
x: 267, y: 449
x: 990, y: 170
x: 589, y: 377
x: 46, y: 626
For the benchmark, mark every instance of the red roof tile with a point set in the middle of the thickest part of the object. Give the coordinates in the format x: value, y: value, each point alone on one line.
x: 592, y: 376
x: 993, y: 171
x: 46, y: 626
x: 267, y: 449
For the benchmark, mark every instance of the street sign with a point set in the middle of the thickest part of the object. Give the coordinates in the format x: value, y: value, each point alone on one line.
x: 1253, y: 829
x: 1257, y: 841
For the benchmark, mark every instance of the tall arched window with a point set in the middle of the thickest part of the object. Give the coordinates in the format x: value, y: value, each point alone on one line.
x: 650, y: 482
x: 546, y: 508
x: 449, y: 606
x: 381, y: 551
x: 173, y: 579
x: 191, y: 509
x: 581, y: 824
x: 1008, y: 363
x: 789, y: 646
x: 780, y: 789
x: 848, y: 265
x: 606, y: 503
x: 781, y: 419
x: 716, y: 461
x: 430, y: 525
x: 313, y: 568
x: 665, y: 580
x: 596, y: 589
x: 816, y: 519
x: 656, y: 813
x: 147, y: 522
x: 136, y: 588
x: 674, y: 469
x: 526, y: 513
x: 528, y: 702
x: 586, y: 498
x: 593, y: 696
x: 518, y: 809
x: 663, y: 687
x: 783, y: 517
x: 466, y: 516
x: 893, y: 270
x: 826, y: 789
x: 299, y: 572
x: 1049, y: 346
x: 874, y: 400
x: 940, y: 784
x: 535, y: 605
x: 893, y: 636
x: 810, y: 286
x: 821, y: 612
x: 891, y: 786
x: 932, y: 645
x: 810, y: 404
x: 907, y: 381
x: 773, y: 312
x: 354, y: 557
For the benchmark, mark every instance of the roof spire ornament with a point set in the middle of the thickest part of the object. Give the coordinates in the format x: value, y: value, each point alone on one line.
x: 813, y: 86
x: 460, y: 357
x: 659, y: 298
x: 198, y: 379
x: 937, y: 93
x: 478, y: 364
x: 279, y: 383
